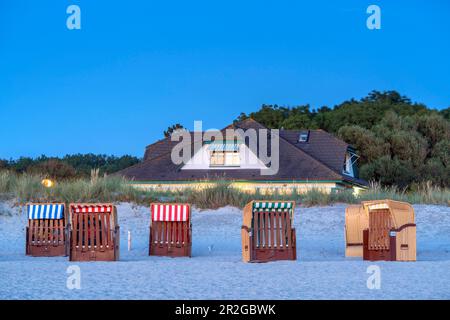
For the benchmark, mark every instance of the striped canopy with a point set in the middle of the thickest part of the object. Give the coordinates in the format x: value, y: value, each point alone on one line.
x: 91, y: 208
x: 45, y: 211
x: 169, y: 212
x: 223, y: 147
x: 272, y: 206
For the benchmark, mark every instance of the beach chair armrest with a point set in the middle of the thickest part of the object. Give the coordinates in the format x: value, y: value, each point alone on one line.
x: 27, y: 229
x: 247, y: 229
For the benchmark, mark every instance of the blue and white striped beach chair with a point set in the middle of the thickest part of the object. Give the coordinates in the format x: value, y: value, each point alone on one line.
x: 46, y: 233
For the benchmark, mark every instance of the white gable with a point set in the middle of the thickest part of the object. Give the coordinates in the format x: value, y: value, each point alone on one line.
x: 201, y: 160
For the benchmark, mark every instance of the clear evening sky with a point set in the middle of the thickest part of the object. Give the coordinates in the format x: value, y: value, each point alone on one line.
x: 136, y: 67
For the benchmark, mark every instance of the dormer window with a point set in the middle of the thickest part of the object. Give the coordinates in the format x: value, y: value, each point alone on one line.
x: 350, y: 160
x: 303, y: 137
x: 224, y: 155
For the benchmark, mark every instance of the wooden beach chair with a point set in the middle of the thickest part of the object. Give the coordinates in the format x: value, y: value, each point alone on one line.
x: 170, y: 230
x: 94, y: 232
x: 46, y: 233
x: 267, y: 231
x: 391, y: 233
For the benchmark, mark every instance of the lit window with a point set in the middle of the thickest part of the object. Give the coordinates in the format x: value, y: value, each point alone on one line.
x: 350, y: 159
x: 303, y: 136
x: 225, y: 159
x: 348, y: 164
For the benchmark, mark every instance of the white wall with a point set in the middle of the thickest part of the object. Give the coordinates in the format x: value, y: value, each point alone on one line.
x: 201, y: 159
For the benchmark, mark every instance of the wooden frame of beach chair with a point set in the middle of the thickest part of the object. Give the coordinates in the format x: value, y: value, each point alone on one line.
x: 356, y: 220
x: 170, y: 230
x: 95, y: 233
x: 47, y: 230
x: 391, y: 233
x: 267, y: 231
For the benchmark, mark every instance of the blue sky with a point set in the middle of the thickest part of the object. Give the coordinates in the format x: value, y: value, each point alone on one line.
x: 137, y: 67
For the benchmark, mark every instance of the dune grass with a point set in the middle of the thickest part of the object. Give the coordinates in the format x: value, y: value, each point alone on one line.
x: 27, y: 188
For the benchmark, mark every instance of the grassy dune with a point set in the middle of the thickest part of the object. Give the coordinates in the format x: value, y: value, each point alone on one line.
x: 27, y: 187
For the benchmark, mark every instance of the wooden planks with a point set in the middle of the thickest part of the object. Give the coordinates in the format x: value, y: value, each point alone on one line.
x: 93, y: 236
x: 272, y: 230
x: 170, y: 238
x: 46, y: 237
x: 277, y: 217
x: 379, y: 229
x: 170, y: 232
x: 46, y: 232
x: 267, y: 235
x: 288, y: 229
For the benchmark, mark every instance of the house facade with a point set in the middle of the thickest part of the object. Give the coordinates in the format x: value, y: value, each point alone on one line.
x: 304, y: 160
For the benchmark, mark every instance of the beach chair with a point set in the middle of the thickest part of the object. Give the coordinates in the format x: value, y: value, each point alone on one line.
x: 356, y: 220
x: 170, y: 230
x: 94, y: 232
x: 267, y: 231
x: 391, y: 233
x: 46, y: 233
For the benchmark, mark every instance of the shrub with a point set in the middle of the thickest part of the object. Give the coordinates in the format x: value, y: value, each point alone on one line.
x: 53, y: 168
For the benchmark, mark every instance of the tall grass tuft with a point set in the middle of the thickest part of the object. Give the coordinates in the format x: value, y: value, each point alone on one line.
x: 7, y: 181
x: 425, y: 193
x: 218, y: 195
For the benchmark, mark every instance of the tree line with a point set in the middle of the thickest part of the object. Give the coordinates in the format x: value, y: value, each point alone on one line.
x: 69, y: 166
x: 399, y: 142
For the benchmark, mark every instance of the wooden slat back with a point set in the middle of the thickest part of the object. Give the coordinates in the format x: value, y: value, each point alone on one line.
x: 272, y: 230
x: 287, y: 230
x: 173, y: 232
x: 379, y: 228
x: 106, y: 216
x: 92, y: 231
x: 46, y: 232
x: 278, y: 236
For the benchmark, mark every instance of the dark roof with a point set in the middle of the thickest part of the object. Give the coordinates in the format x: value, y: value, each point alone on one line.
x: 320, y: 159
x: 321, y: 145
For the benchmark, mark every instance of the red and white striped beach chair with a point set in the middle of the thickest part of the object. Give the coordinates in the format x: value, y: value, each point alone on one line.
x: 170, y: 230
x: 46, y: 233
x: 94, y: 232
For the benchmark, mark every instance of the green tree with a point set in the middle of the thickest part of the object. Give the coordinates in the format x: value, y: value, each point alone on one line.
x: 389, y: 171
x: 400, y: 142
x: 370, y: 147
x: 54, y: 168
x: 171, y: 129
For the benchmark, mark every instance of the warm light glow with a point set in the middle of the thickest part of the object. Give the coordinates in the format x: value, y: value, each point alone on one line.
x: 47, y: 183
x: 357, y: 191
